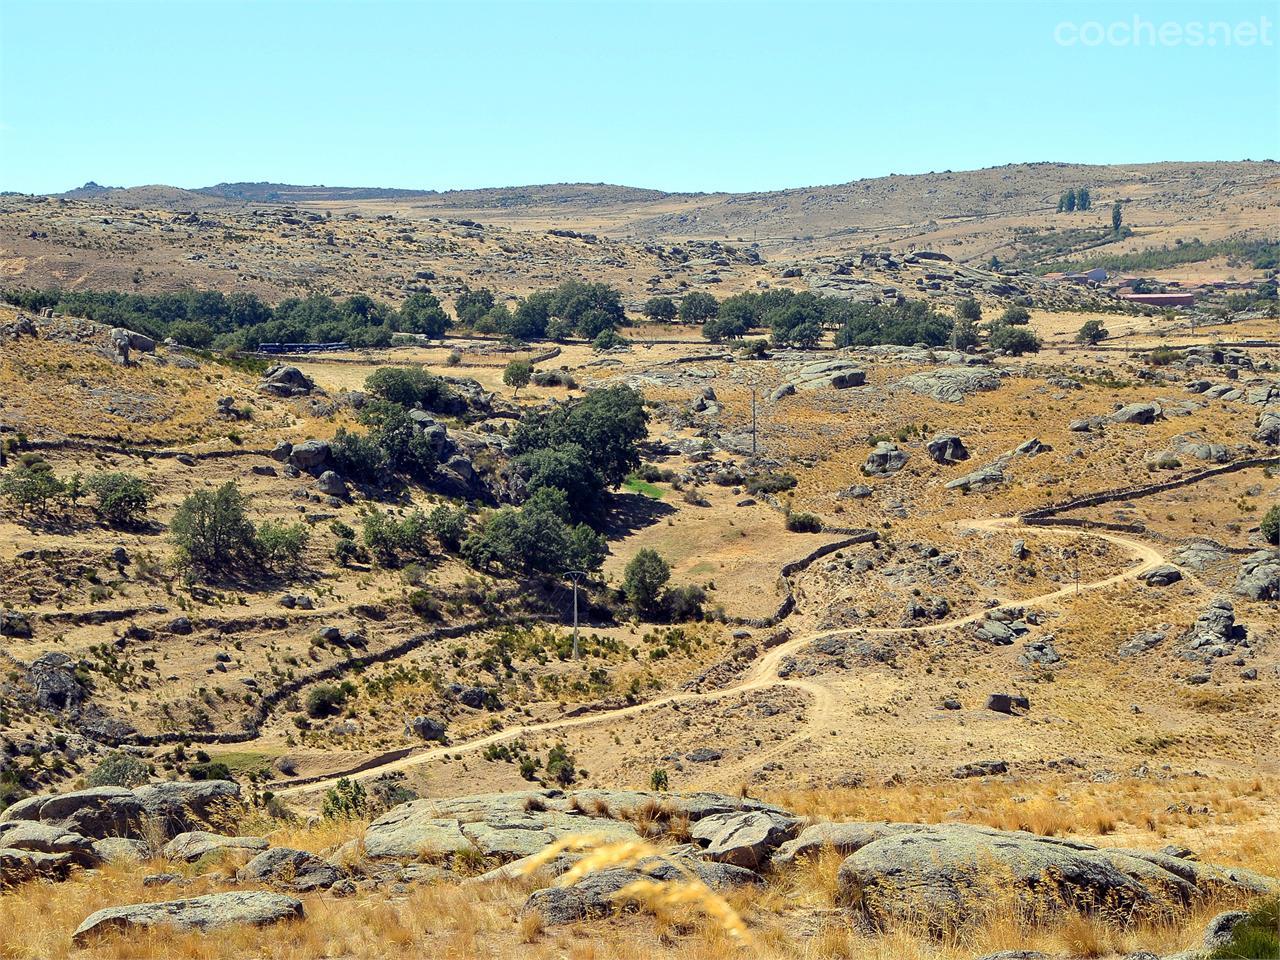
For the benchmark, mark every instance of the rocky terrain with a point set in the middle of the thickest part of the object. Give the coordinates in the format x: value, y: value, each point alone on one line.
x: 883, y: 649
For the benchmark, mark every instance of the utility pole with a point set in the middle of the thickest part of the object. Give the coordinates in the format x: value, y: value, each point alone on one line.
x: 576, y: 575
x: 753, y: 421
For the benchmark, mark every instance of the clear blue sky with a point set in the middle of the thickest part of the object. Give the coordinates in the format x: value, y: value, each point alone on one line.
x: 679, y: 96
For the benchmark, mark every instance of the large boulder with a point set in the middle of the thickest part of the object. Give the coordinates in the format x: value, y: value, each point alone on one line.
x: 1259, y: 576
x: 14, y: 624
x: 884, y: 460
x: 57, y: 687
x: 744, y: 839
x: 192, y: 845
x: 947, y: 448
x: 47, y: 838
x: 1269, y: 427
x: 297, y: 869
x: 829, y: 375
x: 95, y: 813
x: 184, y: 805
x: 596, y: 894
x: 937, y: 875
x: 283, y: 380
x: 951, y: 384
x: 990, y: 475
x: 1142, y: 413
x: 19, y: 866
x: 198, y: 913
x: 309, y: 454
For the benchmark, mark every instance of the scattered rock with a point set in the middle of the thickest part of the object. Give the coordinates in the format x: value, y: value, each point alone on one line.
x: 199, y: 913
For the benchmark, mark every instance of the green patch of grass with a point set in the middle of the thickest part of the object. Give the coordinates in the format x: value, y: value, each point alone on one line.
x: 706, y: 566
x: 242, y: 763
x: 643, y: 487
x: 1255, y: 938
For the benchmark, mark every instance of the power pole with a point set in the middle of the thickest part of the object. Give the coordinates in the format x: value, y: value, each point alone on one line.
x: 753, y: 422
x: 576, y: 575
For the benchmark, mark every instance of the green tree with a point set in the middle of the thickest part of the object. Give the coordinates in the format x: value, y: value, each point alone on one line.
x: 698, y: 307
x: 660, y: 309
x: 1083, y: 200
x: 409, y: 387
x: 1016, y: 316
x: 969, y: 309
x: 423, y: 314
x: 31, y: 484
x: 281, y: 546
x: 608, y: 423
x: 121, y: 498
x: 1092, y: 331
x: 517, y: 374
x: 472, y: 305
x: 212, y: 531
x: 1117, y: 217
x: 1067, y: 203
x: 643, y: 579
x: 964, y: 335
x: 447, y: 525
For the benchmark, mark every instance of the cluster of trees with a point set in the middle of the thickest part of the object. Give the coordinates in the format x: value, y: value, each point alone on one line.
x: 574, y: 308
x: 1010, y: 331
x: 214, y: 536
x: 567, y: 457
x: 241, y: 321
x: 118, y: 498
x: 1075, y: 199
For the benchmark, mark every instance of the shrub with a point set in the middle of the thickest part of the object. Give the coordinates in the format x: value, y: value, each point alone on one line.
x: 119, y: 769
x: 803, y: 523
x: 560, y: 765
x: 346, y: 800
x: 658, y: 780
x: 969, y: 309
x: 1015, y: 340
x: 409, y: 386
x: 448, y: 526
x: 210, y: 770
x: 1270, y: 525
x: 684, y: 603
x: 346, y: 552
x: 424, y: 604
x: 770, y: 483
x: 327, y: 699
x: 1092, y: 331
x: 608, y: 339
x: 1016, y: 316
x: 1256, y: 936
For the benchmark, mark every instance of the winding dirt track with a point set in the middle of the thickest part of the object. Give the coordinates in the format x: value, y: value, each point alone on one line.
x: 764, y: 673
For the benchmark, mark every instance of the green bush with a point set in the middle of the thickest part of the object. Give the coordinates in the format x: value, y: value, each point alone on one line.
x: 210, y: 770
x: 662, y: 309
x: 759, y: 483
x: 698, y: 307
x: 448, y: 526
x: 1257, y: 937
x: 409, y: 386
x: 346, y: 800
x: 327, y: 699
x: 122, y: 498
x: 1014, y: 340
x: 1270, y: 525
x: 804, y: 523
x: 119, y: 769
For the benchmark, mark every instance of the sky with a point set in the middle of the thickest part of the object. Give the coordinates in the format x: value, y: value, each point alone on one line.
x: 681, y: 96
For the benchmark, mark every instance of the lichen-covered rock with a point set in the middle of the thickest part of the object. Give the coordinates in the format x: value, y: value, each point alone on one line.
x: 199, y: 913
x: 192, y: 845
